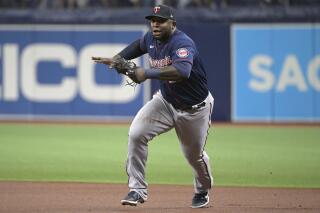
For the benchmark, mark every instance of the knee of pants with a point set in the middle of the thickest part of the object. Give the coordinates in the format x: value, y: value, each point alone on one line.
x: 194, y: 159
x: 137, y: 135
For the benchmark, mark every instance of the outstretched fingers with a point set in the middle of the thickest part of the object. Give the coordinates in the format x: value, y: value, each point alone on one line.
x: 107, y: 61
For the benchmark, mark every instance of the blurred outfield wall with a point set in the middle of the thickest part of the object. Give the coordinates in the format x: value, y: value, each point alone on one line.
x: 263, y: 63
x: 47, y: 72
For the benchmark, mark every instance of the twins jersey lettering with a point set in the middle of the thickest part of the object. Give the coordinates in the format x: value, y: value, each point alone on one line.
x: 159, y: 63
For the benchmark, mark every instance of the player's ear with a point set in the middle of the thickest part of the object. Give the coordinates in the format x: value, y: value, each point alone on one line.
x: 173, y: 24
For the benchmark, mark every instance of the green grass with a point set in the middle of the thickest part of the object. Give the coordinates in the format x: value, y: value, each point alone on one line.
x: 267, y: 156
x: 240, y: 156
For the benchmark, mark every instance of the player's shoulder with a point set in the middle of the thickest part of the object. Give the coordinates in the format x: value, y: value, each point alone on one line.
x: 148, y: 37
x: 148, y: 34
x: 182, y: 39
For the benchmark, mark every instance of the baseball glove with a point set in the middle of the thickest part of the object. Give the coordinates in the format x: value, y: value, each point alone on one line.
x: 125, y: 67
x: 122, y: 66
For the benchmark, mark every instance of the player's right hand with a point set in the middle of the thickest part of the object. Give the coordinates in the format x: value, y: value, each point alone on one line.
x: 101, y: 60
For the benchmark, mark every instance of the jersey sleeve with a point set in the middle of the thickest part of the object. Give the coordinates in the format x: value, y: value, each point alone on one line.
x: 183, y: 51
x: 182, y: 57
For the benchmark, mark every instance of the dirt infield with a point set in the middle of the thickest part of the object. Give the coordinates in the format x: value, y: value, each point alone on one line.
x: 105, y: 198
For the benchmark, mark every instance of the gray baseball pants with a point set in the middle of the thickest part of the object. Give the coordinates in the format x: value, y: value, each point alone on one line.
x: 191, y: 126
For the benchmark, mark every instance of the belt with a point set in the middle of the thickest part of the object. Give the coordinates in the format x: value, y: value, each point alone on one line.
x: 194, y: 107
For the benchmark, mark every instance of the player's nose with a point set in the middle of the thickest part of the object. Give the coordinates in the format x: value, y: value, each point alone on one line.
x: 155, y: 23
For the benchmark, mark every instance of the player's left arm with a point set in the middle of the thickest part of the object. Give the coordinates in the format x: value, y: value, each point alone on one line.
x: 179, y: 70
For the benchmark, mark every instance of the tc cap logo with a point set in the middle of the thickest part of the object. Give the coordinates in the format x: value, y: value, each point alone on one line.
x: 182, y: 52
x: 156, y: 9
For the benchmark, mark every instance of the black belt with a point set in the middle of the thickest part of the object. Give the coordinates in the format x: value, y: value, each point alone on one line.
x: 194, y: 107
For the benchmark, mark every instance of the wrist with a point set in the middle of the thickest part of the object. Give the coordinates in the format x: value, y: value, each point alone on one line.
x: 152, y: 73
x: 140, y: 74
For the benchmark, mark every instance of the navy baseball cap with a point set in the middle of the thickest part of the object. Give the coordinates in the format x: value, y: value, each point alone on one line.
x: 162, y: 11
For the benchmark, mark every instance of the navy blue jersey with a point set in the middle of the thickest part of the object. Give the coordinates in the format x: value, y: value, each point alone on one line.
x: 178, y: 49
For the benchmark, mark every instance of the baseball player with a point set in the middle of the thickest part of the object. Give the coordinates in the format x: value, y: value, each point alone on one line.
x: 183, y: 102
